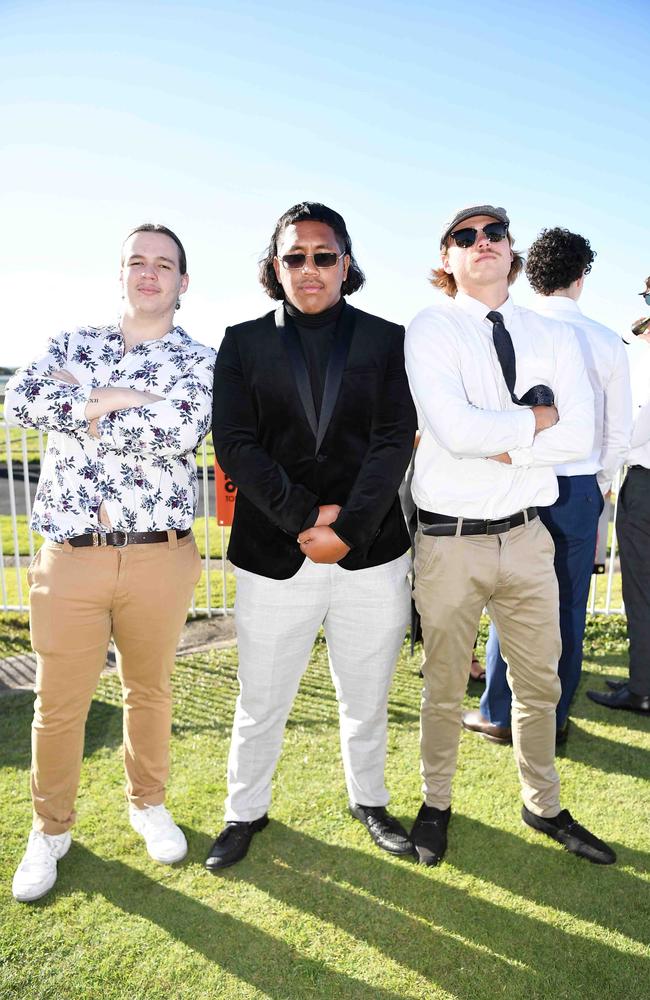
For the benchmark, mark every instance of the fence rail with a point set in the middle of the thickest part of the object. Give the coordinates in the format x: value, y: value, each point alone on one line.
x: 23, y: 454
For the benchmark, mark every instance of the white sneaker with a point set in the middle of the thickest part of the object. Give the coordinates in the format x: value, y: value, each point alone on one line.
x: 165, y: 841
x: 36, y: 873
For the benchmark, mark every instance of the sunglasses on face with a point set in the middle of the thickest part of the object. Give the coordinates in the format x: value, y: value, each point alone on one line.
x: 494, y: 231
x: 326, y: 258
x: 646, y: 297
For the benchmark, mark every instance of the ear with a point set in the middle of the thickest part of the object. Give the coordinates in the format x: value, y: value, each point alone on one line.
x: 445, y: 263
x: 185, y: 280
x: 346, y: 266
x: 278, y: 269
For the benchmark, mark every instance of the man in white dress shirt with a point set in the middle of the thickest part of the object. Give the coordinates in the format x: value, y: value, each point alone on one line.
x: 556, y: 265
x: 633, y: 532
x: 504, y: 397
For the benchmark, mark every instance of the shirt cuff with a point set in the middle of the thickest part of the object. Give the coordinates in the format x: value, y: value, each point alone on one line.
x: 339, y: 535
x: 527, y: 430
x: 521, y: 457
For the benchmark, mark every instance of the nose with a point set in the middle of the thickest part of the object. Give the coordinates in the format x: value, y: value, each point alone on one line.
x: 309, y: 266
x: 148, y: 270
x: 481, y: 239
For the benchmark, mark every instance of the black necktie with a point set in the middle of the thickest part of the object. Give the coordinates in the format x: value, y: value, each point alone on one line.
x: 539, y: 395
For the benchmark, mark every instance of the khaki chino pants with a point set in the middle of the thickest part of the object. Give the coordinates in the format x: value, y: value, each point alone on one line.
x: 78, y: 598
x: 513, y: 575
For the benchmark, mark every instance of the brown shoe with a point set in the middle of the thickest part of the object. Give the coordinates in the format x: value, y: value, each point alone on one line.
x: 477, y: 723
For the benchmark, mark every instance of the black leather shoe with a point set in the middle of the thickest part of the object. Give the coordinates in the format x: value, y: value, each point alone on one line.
x: 477, y: 723
x: 429, y: 834
x: 387, y: 832
x: 622, y: 698
x: 571, y: 835
x: 232, y: 843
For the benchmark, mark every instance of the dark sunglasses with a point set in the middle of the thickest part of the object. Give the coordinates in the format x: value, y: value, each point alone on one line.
x: 646, y: 296
x: 294, y: 261
x: 464, y: 238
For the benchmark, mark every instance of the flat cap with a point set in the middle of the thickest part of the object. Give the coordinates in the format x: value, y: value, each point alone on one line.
x: 467, y: 213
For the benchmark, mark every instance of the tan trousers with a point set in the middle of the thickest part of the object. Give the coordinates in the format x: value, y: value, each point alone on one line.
x: 78, y: 597
x: 513, y: 575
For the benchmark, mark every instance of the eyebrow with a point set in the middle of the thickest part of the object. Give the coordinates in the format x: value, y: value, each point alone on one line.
x: 141, y: 256
x: 320, y: 246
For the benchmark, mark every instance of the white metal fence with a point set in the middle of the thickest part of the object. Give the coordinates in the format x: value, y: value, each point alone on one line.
x: 21, y: 454
x: 19, y: 467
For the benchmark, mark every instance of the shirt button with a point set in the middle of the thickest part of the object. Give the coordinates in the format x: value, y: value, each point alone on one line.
x: 321, y: 458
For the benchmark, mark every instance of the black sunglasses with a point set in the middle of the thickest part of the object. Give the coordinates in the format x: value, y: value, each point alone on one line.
x: 326, y: 258
x: 646, y: 296
x: 464, y: 238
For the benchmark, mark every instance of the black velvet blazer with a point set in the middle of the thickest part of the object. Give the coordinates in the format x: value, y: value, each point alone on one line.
x: 285, y: 462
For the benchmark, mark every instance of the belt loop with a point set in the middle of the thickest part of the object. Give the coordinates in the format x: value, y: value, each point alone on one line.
x: 459, y: 527
x: 172, y: 539
x: 526, y: 516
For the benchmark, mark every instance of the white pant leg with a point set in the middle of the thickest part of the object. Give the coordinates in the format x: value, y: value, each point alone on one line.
x: 365, y: 627
x: 277, y: 622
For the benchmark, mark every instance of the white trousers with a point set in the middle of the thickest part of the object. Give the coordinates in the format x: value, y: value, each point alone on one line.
x: 364, y: 613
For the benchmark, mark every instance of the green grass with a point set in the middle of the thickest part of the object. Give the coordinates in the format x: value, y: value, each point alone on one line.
x: 315, y: 911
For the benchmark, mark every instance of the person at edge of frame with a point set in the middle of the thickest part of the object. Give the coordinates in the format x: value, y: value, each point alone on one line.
x: 314, y: 423
x: 633, y: 534
x: 484, y: 464
x: 557, y: 263
x: 125, y: 406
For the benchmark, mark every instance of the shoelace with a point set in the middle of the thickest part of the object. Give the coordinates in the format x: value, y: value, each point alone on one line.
x: 40, y: 849
x: 157, y: 816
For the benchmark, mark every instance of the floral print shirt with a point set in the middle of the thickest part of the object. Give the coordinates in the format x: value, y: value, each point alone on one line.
x: 142, y: 467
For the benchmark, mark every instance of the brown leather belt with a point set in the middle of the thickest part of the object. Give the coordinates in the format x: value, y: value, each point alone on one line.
x: 442, y: 524
x: 120, y: 539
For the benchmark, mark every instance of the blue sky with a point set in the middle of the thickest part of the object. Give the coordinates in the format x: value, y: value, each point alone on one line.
x: 215, y: 117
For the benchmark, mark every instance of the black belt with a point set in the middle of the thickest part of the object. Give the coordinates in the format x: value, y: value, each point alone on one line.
x: 120, y: 539
x: 442, y: 524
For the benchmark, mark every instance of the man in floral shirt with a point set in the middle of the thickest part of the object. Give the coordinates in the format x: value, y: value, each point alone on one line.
x: 125, y: 408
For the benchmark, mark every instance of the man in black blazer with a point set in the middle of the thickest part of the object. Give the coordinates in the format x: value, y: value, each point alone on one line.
x: 314, y: 423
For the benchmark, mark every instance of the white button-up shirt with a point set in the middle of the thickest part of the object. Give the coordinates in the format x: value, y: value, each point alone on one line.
x: 639, y: 357
x: 467, y: 415
x: 142, y: 467
x: 609, y: 374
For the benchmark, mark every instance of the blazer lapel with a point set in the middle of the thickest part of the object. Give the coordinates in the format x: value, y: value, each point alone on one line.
x: 334, y: 374
x: 291, y: 342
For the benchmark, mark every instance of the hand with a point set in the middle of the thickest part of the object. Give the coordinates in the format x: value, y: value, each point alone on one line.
x: 608, y: 495
x: 93, y: 429
x: 545, y: 417
x: 644, y: 336
x: 503, y: 457
x: 322, y: 545
x: 65, y: 376
x: 327, y: 514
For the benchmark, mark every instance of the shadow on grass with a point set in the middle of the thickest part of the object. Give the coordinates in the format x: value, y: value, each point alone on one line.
x: 236, y: 946
x: 460, y: 942
x: 103, y: 728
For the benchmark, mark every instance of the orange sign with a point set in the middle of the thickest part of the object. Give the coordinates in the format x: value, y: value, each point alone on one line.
x: 226, y: 495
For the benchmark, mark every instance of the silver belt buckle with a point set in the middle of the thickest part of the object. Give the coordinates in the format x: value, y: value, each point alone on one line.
x: 121, y: 545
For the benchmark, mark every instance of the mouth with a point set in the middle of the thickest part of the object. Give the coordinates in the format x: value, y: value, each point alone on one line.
x: 147, y: 290
x: 311, y: 287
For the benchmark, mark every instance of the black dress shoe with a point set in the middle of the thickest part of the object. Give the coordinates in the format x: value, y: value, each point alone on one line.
x: 622, y: 698
x: 386, y: 831
x: 429, y: 834
x: 232, y: 843
x: 477, y: 723
x: 571, y: 835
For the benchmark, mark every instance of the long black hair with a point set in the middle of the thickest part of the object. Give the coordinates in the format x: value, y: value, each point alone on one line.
x: 310, y: 211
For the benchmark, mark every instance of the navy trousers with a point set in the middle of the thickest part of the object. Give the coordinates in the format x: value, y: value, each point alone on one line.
x: 573, y: 523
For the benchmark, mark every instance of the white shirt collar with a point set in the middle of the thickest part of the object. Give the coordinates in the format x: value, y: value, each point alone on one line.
x: 556, y: 303
x: 478, y: 310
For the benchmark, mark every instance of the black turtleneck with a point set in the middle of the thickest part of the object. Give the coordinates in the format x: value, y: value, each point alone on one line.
x: 316, y: 332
